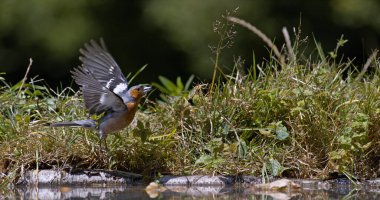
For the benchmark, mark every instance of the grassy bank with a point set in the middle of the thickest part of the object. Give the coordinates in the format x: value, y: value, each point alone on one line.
x: 298, y: 114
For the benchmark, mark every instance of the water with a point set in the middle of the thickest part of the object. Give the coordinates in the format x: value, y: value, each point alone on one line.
x: 181, y: 192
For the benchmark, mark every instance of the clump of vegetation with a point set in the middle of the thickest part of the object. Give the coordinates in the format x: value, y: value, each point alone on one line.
x: 297, y: 114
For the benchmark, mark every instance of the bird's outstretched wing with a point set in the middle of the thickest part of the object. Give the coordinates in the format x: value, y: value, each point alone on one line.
x: 100, y: 63
x: 97, y: 97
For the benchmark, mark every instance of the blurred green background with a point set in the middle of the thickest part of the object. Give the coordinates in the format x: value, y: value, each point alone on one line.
x: 171, y: 36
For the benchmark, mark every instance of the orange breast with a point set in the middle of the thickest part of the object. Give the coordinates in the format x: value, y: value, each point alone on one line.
x: 120, y: 120
x: 132, y: 106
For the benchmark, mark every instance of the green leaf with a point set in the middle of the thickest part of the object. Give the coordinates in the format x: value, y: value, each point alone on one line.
x: 209, y: 161
x: 337, y: 155
x: 265, y: 132
x: 301, y: 103
x: 276, y: 167
x: 226, y: 129
x: 215, y: 146
x: 142, y: 132
x: 242, y: 149
x: 173, y: 89
x: 137, y: 73
x: 161, y: 88
x: 188, y: 83
x: 179, y: 84
x: 281, y: 132
x: 167, y: 83
x: 37, y: 93
x: 204, y: 159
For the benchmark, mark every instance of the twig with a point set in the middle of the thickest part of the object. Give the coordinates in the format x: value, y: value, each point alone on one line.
x: 26, y: 76
x: 288, y: 44
x: 367, y: 64
x: 260, y: 34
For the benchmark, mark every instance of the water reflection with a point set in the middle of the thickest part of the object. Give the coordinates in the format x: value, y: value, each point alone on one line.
x: 67, y: 192
x: 181, y: 192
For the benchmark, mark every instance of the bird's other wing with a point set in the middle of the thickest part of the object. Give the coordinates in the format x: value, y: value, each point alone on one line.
x: 97, y: 60
x: 97, y: 98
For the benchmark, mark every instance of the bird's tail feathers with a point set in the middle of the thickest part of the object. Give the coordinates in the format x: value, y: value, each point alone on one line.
x: 88, y: 123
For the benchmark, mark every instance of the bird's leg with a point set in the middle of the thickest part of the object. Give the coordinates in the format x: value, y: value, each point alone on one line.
x: 100, y: 148
x: 103, y: 137
x: 106, y: 157
x: 105, y: 145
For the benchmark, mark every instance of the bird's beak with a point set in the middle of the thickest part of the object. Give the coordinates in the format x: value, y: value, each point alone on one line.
x: 147, y: 89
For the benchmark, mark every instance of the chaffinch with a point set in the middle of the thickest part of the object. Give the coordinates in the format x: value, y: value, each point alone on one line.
x: 105, y: 90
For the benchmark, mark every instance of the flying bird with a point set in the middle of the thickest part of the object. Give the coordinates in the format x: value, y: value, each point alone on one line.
x: 105, y: 91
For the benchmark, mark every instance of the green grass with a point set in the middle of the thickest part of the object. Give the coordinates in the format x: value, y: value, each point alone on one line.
x: 305, y: 117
